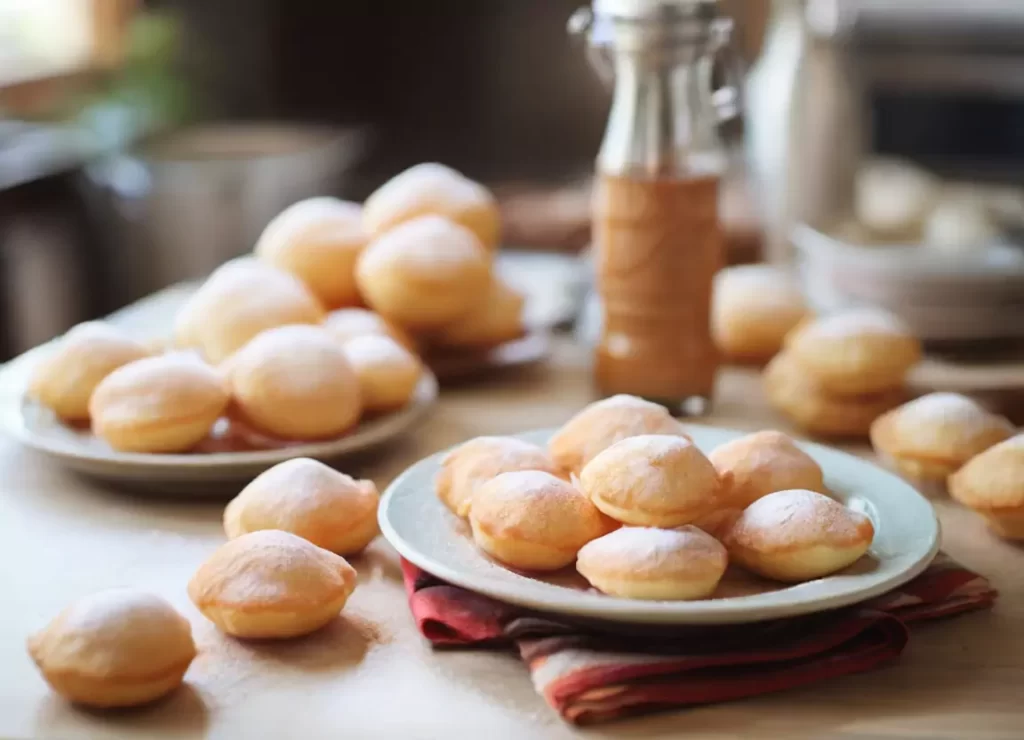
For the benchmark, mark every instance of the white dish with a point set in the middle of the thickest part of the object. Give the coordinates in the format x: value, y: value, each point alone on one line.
x: 197, y: 474
x: 453, y: 366
x: 424, y: 532
x: 941, y: 297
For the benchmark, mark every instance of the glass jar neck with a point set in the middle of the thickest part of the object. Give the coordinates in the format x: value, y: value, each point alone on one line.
x: 663, y: 122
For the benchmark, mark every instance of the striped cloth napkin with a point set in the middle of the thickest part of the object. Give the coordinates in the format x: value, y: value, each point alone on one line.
x: 591, y: 674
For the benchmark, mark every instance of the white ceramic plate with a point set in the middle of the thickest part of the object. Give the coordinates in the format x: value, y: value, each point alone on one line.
x: 941, y: 297
x: 199, y: 474
x: 424, y: 532
x: 455, y: 365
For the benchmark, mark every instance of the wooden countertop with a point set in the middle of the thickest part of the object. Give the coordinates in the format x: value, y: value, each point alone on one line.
x: 372, y: 675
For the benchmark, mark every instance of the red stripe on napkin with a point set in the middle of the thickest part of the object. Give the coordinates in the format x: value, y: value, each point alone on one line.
x: 595, y: 672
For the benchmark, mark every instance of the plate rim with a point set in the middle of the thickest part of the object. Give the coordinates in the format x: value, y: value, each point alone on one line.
x: 813, y: 242
x: 537, y: 343
x: 380, y: 430
x: 613, y: 609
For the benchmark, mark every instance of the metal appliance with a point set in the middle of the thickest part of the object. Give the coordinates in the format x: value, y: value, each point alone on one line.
x: 936, y: 83
x: 939, y: 82
x: 176, y: 207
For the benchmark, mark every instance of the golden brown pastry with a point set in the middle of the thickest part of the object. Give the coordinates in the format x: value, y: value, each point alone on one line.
x: 500, y: 319
x: 930, y: 437
x: 166, y: 403
x: 531, y: 520
x: 239, y: 300
x: 654, y: 564
x: 855, y: 352
x: 796, y: 536
x: 271, y: 585
x: 318, y: 240
x: 993, y: 485
x: 425, y: 273
x: 473, y: 463
x: 605, y: 422
x: 295, y: 382
x: 309, y: 499
x: 762, y: 463
x: 115, y: 648
x: 790, y: 390
x: 653, y: 480
x: 434, y: 189
x: 346, y: 323
x: 65, y: 379
x: 754, y: 307
x: 387, y: 372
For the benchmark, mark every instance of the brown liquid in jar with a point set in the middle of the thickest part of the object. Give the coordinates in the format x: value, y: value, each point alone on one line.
x: 658, y: 245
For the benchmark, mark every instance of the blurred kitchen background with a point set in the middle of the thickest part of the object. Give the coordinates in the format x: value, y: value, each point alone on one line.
x: 143, y: 143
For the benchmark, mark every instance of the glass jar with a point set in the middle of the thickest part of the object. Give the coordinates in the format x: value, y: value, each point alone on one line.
x: 657, y: 238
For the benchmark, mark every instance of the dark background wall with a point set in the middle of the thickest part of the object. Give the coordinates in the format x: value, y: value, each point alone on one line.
x: 493, y: 87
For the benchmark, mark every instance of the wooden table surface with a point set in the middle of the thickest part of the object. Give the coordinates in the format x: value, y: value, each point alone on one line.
x: 372, y: 675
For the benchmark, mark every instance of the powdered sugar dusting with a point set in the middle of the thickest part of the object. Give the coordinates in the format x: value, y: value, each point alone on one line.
x: 430, y: 244
x: 351, y: 322
x: 499, y: 450
x: 480, y: 459
x: 648, y: 547
x: 157, y: 387
x: 375, y: 349
x: 651, y: 471
x: 447, y: 190
x: 605, y: 422
x: 864, y: 322
x: 797, y: 517
x: 531, y: 481
x: 536, y: 506
x: 301, y: 358
x: 105, y: 632
x: 118, y: 609
x: 186, y: 360
x: 307, y: 498
x: 245, y: 278
x: 624, y: 400
x: 96, y: 330
x: 322, y: 218
x: 939, y: 421
x: 764, y: 462
x: 764, y: 285
x: 268, y: 566
x: 292, y: 488
x: 946, y: 408
x: 245, y: 285
x: 303, y: 474
x: 783, y: 462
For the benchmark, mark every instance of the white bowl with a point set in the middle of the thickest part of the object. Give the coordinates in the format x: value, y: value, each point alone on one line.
x: 941, y: 297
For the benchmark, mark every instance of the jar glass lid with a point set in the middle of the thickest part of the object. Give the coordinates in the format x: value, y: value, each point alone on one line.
x: 641, y: 9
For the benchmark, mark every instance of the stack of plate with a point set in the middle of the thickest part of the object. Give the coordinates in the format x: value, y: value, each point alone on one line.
x: 943, y: 298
